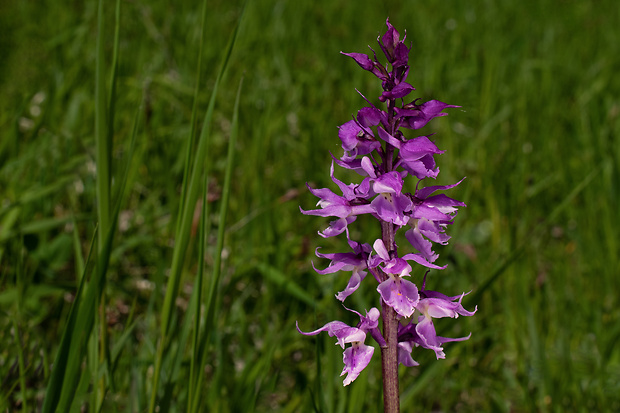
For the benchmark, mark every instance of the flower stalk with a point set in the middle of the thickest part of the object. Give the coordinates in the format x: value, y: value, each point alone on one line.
x: 389, y: 360
x: 375, y: 147
x: 389, y: 352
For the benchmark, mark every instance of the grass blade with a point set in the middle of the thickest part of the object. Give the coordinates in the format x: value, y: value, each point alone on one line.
x: 61, y: 361
x: 215, y: 279
x: 193, y: 392
x: 102, y: 137
x: 66, y: 373
x: 192, y: 133
x: 289, y: 285
x: 184, y: 230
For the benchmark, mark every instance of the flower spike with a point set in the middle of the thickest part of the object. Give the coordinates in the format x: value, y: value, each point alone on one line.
x: 375, y: 146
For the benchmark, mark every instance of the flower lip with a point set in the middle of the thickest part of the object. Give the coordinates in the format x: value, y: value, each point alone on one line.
x: 358, y: 355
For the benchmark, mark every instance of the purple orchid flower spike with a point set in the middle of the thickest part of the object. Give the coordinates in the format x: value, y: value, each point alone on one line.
x: 356, y: 357
x: 376, y: 148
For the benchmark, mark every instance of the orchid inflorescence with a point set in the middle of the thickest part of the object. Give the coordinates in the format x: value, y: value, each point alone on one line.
x: 375, y: 148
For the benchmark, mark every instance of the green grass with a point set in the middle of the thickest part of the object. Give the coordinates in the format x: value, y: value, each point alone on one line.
x: 537, y: 137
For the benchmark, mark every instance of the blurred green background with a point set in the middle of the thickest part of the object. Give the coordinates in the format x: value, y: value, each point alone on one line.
x: 537, y: 138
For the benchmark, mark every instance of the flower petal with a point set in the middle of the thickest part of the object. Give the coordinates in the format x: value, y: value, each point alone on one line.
x: 404, y: 354
x: 402, y: 295
x: 343, y: 332
x: 352, y: 286
x: 355, y: 359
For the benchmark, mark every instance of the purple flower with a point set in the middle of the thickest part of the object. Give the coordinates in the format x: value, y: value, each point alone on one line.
x: 393, y: 48
x: 396, y: 90
x: 371, y: 116
x: 416, y: 157
x: 408, y: 338
x: 431, y: 215
x: 400, y: 294
x: 356, y: 139
x: 365, y: 63
x: 433, y: 231
x: 413, y: 116
x: 432, y: 305
x: 404, y: 352
x: 397, y: 54
x: 355, y: 261
x: 391, y: 204
x: 345, y: 208
x: 356, y: 357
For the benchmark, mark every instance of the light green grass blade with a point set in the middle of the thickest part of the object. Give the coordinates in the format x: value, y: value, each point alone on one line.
x: 195, y: 367
x: 61, y: 361
x: 87, y: 310
x: 517, y: 252
x: 318, y: 396
x: 18, y: 334
x: 104, y: 120
x: 102, y: 137
x: 66, y: 373
x: 194, y: 118
x: 194, y: 306
x: 183, y: 232
x: 215, y: 278
x: 285, y: 282
x: 80, y: 265
x: 115, y: 57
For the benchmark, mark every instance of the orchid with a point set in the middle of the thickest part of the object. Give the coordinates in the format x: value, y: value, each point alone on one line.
x: 375, y: 148
x: 355, y: 261
x: 356, y: 357
x: 431, y: 305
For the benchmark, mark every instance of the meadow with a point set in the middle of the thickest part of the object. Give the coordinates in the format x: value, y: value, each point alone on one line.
x: 154, y: 156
